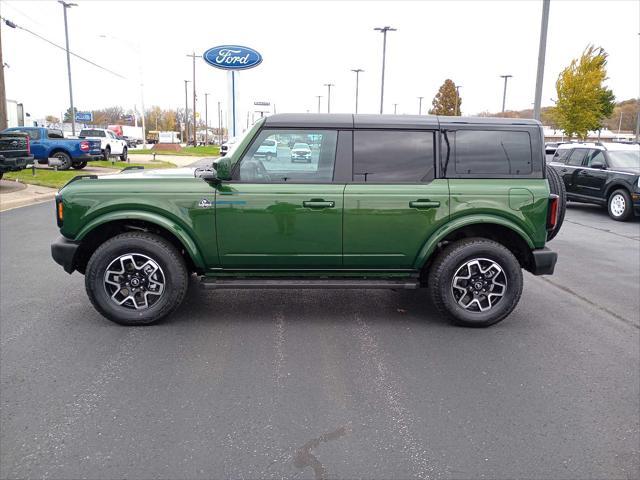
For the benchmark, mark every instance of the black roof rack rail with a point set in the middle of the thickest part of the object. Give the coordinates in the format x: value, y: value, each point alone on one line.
x: 80, y: 177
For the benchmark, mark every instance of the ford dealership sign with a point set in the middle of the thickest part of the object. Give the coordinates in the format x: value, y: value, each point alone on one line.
x: 232, y: 57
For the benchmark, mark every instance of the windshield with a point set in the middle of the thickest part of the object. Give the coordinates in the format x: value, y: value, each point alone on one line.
x: 302, y: 146
x: 625, y: 159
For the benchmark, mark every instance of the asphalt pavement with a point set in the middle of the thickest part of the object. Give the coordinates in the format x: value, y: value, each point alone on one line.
x: 323, y: 384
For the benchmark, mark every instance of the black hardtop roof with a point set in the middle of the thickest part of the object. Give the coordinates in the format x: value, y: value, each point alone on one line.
x: 347, y: 120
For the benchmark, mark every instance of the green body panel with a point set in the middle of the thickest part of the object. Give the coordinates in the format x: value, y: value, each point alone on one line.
x: 268, y: 226
x: 171, y: 201
x: 382, y: 230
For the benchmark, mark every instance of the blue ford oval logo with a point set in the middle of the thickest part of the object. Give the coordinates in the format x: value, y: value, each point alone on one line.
x: 232, y: 57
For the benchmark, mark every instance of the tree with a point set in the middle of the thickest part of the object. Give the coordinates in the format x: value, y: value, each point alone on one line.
x: 68, y: 116
x: 624, y: 116
x: 584, y: 102
x: 52, y: 119
x: 446, y: 101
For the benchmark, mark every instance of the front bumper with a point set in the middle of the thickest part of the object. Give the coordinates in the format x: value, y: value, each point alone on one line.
x: 543, y: 261
x: 64, y: 252
x: 14, y: 164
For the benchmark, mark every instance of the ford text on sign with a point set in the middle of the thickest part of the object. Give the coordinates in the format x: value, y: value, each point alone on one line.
x: 232, y: 57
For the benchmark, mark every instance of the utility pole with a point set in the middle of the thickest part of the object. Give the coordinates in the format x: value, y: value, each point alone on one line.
x: 384, y: 31
x: 66, y: 5
x: 186, y: 113
x: 329, y: 85
x: 541, y: 55
x: 395, y: 108
x: 195, y: 128
x: 357, y: 71
x: 3, y: 94
x: 318, y: 97
x: 504, y: 94
x: 206, y: 119
x: 458, y: 87
x: 420, y: 105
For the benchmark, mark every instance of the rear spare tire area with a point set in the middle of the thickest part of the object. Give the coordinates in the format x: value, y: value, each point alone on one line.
x: 556, y: 186
x: 136, y: 278
x: 476, y: 282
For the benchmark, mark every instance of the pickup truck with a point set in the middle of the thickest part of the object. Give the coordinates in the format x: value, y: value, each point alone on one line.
x: 49, y: 143
x: 14, y: 152
x: 387, y: 203
x: 110, y: 144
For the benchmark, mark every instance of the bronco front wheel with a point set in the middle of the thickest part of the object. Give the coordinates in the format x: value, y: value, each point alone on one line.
x: 476, y: 282
x: 136, y: 278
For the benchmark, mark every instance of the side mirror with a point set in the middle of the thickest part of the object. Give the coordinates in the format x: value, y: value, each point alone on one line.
x: 223, y: 168
x: 598, y: 165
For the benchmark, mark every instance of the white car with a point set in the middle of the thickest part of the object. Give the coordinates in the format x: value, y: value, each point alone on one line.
x: 110, y: 144
x: 301, y: 152
x: 227, y: 146
x: 268, y: 149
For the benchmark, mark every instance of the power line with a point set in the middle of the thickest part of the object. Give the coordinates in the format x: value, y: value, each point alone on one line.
x: 9, y: 23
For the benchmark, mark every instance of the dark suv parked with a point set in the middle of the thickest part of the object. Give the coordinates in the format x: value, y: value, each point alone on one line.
x: 458, y: 205
x: 604, y: 174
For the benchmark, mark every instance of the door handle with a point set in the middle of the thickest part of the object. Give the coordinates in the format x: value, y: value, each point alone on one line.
x: 424, y: 204
x: 318, y: 204
x: 583, y: 172
x: 563, y: 170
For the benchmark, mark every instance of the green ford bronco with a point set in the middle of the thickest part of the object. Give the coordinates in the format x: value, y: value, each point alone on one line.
x: 457, y: 205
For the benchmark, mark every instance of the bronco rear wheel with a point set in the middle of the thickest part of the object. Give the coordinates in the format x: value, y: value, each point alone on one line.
x: 136, y: 278
x: 476, y: 282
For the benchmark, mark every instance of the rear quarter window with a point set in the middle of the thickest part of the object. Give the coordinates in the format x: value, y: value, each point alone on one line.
x: 492, y: 152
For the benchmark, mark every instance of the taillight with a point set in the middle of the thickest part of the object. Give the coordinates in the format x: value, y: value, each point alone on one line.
x: 552, y: 212
x: 84, y: 146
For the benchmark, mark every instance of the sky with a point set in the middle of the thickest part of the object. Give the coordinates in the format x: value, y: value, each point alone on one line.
x: 307, y: 44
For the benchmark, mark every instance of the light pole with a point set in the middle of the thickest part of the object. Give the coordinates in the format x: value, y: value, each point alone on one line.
x: 420, y: 105
x: 219, y: 125
x: 384, y: 31
x: 395, y: 108
x: 206, y: 119
x: 329, y: 85
x: 458, y: 87
x: 357, y: 72
x: 541, y: 54
x: 66, y: 5
x: 195, y: 128
x: 504, y: 94
x: 318, y: 97
x: 186, y: 113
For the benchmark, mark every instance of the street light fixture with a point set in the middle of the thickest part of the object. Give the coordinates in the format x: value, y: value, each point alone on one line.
x: 65, y: 6
x: 206, y: 119
x: 329, y: 85
x: 395, y: 108
x: 318, y: 97
x: 420, y: 105
x: 541, y: 55
x: 384, y: 31
x: 195, y: 128
x: 357, y: 72
x: 458, y: 112
x: 504, y: 94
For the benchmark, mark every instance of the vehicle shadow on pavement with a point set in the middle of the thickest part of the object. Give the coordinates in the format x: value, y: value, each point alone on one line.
x: 322, y: 306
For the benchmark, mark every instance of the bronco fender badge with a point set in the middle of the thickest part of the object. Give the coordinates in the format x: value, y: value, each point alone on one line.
x: 204, y: 203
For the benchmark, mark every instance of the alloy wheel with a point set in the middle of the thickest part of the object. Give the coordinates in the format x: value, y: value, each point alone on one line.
x: 479, y: 285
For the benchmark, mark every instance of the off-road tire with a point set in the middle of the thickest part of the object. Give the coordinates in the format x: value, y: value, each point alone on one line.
x: 156, y: 248
x: 79, y: 165
x: 628, y: 205
x: 125, y: 154
x: 65, y: 159
x: 556, y: 186
x: 451, y: 258
x: 106, y: 153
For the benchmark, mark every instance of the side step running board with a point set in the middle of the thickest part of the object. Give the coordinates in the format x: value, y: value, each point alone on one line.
x: 218, y: 283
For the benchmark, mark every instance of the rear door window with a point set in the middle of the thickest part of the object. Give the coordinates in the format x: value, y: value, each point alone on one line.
x: 51, y: 133
x: 393, y: 156
x: 576, y: 157
x: 492, y: 152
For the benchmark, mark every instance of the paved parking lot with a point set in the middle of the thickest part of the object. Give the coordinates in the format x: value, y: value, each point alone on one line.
x: 324, y: 384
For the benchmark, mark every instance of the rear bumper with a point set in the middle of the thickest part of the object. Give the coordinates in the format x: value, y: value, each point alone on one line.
x: 64, y: 252
x: 13, y: 164
x: 543, y: 261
